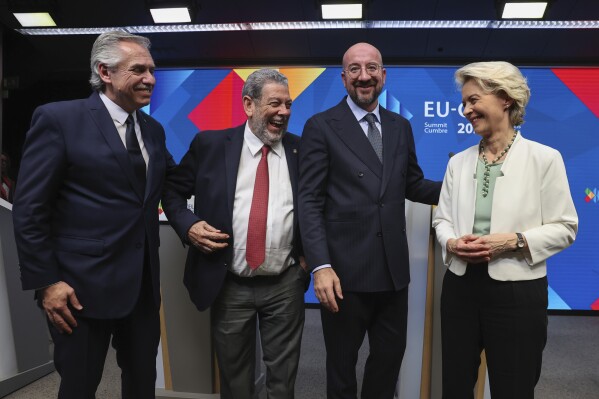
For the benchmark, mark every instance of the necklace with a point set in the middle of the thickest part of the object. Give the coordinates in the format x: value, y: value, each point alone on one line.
x: 488, y: 165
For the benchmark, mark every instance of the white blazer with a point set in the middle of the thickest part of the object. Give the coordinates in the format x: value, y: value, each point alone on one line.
x: 532, y: 197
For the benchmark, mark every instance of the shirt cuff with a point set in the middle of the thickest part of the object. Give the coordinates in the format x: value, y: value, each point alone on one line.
x: 320, y: 267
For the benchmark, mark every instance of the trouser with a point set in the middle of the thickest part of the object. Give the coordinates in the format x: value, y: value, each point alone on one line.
x: 79, y: 357
x: 508, y: 319
x: 277, y: 304
x: 384, y: 316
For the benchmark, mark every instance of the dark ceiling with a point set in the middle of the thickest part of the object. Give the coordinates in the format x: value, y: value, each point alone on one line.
x: 64, y: 55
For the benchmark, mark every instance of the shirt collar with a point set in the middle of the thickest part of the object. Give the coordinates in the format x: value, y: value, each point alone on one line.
x: 255, y: 144
x: 360, y: 113
x: 116, y: 112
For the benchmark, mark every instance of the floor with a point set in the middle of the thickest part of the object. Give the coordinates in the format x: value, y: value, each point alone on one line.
x: 570, y: 367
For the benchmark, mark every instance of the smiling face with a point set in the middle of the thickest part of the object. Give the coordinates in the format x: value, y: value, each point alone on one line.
x: 488, y: 113
x: 364, y: 89
x: 131, y: 82
x: 268, y: 116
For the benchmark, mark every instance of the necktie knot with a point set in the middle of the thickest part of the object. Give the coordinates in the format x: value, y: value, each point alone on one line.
x: 265, y: 150
x: 371, y: 119
x: 130, y: 120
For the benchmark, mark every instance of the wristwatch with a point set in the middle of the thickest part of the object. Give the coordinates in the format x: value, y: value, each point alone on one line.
x: 520, y: 243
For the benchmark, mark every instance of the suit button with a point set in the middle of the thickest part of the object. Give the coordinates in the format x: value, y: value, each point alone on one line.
x: 225, y: 264
x: 379, y: 234
x: 138, y: 245
x: 381, y: 204
x: 360, y: 174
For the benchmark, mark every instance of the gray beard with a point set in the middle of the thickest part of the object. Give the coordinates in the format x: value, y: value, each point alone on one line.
x: 267, y: 137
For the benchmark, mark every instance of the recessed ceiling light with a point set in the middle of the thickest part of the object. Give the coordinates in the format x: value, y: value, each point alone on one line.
x: 532, y: 10
x: 170, y: 15
x: 341, y: 11
x: 32, y: 19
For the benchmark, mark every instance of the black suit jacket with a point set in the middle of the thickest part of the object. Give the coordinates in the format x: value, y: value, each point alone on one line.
x: 79, y: 214
x: 209, y: 171
x: 352, y: 207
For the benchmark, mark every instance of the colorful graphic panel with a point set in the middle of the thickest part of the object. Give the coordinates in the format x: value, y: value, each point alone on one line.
x: 563, y: 113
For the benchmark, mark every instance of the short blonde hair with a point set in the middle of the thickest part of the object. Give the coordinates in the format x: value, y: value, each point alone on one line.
x: 499, y: 77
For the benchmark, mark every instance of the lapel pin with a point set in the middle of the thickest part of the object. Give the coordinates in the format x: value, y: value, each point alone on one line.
x: 295, y: 151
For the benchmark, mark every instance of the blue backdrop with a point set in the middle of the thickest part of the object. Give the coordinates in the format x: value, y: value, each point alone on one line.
x: 563, y: 113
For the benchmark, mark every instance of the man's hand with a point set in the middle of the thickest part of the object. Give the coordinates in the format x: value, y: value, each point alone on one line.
x: 206, y: 238
x: 55, y: 300
x: 326, y: 287
x: 470, y: 249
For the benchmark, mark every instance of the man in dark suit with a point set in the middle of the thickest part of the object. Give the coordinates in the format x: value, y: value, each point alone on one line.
x: 352, y: 191
x: 245, y: 260
x: 86, y: 221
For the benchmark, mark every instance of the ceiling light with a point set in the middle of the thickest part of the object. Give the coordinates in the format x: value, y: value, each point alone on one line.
x: 304, y: 25
x: 33, y: 19
x: 529, y: 10
x: 341, y: 11
x: 170, y: 15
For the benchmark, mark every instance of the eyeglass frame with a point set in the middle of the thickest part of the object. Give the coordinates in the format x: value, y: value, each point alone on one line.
x: 379, y: 68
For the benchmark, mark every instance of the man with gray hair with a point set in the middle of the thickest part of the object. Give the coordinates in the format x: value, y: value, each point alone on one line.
x: 245, y: 260
x: 86, y: 221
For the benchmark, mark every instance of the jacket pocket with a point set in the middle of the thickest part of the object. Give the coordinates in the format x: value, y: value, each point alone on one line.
x: 84, y: 246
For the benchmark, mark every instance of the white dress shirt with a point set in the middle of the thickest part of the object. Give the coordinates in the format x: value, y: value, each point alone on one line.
x: 279, y: 225
x: 119, y: 117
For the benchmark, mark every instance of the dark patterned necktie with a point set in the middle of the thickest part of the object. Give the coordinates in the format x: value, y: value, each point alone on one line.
x: 137, y: 159
x: 374, y: 136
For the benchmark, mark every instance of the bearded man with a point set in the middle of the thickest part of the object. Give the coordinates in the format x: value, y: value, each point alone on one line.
x: 357, y: 167
x: 245, y: 260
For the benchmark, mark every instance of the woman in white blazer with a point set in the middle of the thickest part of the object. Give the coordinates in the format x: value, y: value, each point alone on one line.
x: 505, y: 208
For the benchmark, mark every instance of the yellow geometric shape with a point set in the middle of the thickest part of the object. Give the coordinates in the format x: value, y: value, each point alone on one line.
x: 300, y: 78
x: 243, y: 73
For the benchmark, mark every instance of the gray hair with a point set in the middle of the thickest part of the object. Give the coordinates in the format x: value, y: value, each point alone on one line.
x: 258, y: 79
x: 499, y: 77
x: 106, y: 51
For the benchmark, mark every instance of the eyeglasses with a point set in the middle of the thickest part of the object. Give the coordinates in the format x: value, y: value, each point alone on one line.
x: 354, y: 70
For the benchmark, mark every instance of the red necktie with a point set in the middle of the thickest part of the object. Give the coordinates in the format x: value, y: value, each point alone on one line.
x: 256, y: 242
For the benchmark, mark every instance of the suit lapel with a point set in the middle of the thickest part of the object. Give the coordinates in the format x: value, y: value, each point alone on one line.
x: 291, y: 155
x: 345, y: 125
x: 105, y: 125
x: 233, y: 147
x: 391, y: 138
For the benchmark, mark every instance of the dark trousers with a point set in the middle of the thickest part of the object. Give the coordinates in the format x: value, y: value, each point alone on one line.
x: 508, y: 319
x: 384, y: 316
x: 79, y: 357
x: 277, y: 303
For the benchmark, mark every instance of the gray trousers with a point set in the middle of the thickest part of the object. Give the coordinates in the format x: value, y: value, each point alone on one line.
x: 277, y: 303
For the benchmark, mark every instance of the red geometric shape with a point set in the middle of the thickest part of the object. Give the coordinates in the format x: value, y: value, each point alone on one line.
x: 595, y: 305
x: 584, y: 83
x: 222, y: 108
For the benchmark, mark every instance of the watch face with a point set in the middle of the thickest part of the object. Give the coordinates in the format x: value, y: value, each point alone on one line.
x: 520, y: 240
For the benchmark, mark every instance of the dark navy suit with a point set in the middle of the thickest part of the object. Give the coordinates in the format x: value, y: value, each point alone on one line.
x: 352, y: 216
x: 209, y: 171
x: 80, y: 217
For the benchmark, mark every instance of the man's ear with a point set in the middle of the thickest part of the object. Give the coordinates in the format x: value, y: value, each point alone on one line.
x: 103, y: 72
x: 248, y: 106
